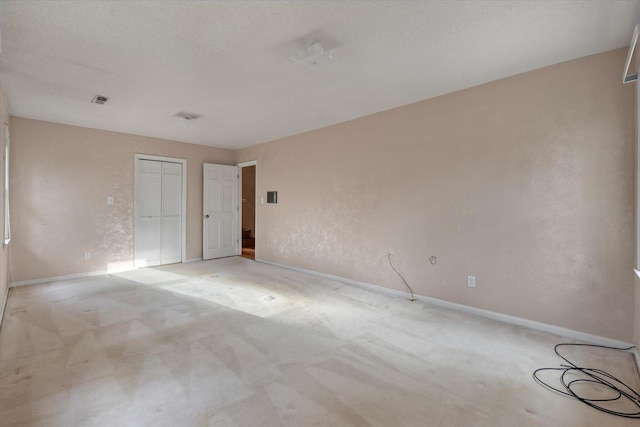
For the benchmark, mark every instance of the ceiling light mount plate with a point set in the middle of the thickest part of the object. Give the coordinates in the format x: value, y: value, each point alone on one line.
x: 314, y: 55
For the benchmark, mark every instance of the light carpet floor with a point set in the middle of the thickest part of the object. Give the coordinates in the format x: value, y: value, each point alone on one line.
x: 234, y: 342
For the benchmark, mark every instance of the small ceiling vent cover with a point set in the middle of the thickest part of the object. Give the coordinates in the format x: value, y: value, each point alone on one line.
x: 188, y: 116
x: 100, y: 99
x: 187, y: 119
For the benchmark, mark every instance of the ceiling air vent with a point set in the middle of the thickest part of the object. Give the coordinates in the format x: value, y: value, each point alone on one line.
x: 186, y: 119
x: 100, y: 99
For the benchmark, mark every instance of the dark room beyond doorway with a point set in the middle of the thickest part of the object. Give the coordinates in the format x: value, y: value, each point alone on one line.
x: 248, y: 211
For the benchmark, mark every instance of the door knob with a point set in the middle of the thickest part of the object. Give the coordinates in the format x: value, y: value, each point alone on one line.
x: 206, y: 216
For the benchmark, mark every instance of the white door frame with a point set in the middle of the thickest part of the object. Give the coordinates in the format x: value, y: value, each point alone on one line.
x: 183, y: 201
x: 255, y: 232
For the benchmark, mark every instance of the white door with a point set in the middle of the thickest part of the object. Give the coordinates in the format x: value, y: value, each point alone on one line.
x: 220, y: 212
x: 158, y: 213
x: 171, y: 214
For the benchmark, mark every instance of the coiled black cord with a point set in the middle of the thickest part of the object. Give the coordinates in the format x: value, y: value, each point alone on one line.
x: 598, y: 377
x: 401, y: 277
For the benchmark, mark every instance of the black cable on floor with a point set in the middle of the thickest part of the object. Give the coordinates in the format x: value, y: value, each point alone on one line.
x: 597, y: 377
x: 398, y: 273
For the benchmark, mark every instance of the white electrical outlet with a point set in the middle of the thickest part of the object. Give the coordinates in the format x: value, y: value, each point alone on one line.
x: 109, y: 200
x: 471, y: 281
x: 87, y: 255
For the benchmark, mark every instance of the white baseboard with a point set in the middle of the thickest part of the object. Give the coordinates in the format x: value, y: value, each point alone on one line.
x: 4, y: 305
x: 80, y: 275
x: 532, y: 324
x: 57, y: 278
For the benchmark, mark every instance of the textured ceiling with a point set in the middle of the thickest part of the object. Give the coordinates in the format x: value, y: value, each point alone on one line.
x: 228, y: 60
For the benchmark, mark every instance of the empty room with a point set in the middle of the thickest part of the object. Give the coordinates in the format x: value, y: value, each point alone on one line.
x: 328, y: 213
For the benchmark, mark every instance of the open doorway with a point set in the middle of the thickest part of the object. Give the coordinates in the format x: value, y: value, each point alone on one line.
x: 248, y: 208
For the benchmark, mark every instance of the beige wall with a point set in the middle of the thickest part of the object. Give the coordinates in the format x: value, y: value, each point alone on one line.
x: 4, y: 265
x: 61, y: 178
x: 526, y: 183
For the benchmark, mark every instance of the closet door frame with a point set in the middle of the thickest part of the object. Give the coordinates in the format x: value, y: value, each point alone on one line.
x: 183, y: 226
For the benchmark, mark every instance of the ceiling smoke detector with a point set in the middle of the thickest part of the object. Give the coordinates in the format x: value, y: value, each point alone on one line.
x: 100, y: 99
x: 314, y: 55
